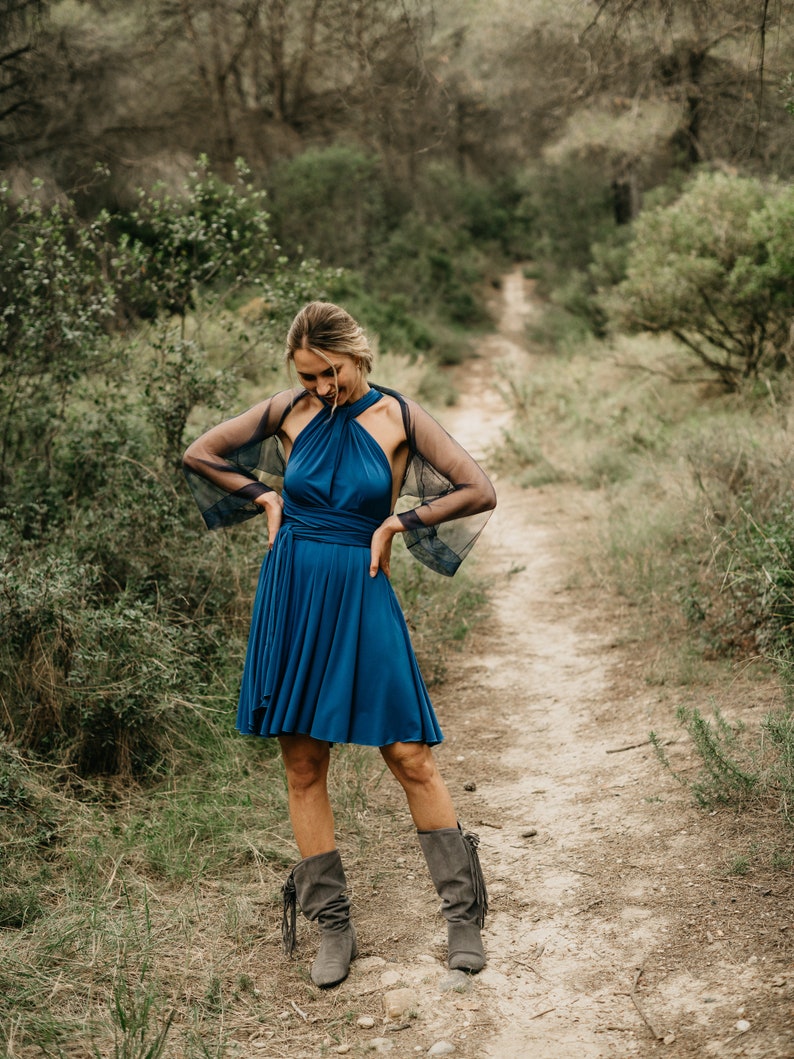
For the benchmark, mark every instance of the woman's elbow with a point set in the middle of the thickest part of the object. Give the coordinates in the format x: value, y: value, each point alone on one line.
x: 488, y: 498
x: 191, y: 459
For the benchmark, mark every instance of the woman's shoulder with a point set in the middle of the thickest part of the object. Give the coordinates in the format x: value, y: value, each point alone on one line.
x: 397, y: 403
x: 396, y: 408
x: 291, y: 396
x: 282, y: 399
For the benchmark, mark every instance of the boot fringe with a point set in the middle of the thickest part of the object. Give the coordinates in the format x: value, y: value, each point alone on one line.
x: 472, y: 841
x: 289, y: 919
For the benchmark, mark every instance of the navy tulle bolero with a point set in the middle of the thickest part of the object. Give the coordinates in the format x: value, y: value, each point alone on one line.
x: 233, y: 463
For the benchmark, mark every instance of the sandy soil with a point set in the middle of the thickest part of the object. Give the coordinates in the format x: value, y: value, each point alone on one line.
x: 616, y: 928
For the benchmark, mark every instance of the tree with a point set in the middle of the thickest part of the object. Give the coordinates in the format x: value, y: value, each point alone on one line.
x: 19, y: 20
x: 716, y: 270
x: 715, y: 60
x: 303, y: 66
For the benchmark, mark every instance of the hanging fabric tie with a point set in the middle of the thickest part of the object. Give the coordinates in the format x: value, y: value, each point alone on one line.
x: 472, y: 841
x: 290, y: 916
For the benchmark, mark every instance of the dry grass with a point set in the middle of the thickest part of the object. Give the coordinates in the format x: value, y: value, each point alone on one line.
x: 126, y: 960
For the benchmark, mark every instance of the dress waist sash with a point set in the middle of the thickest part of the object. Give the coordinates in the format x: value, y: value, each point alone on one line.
x: 326, y: 525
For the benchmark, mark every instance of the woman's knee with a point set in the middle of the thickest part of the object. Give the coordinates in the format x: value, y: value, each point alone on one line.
x: 305, y: 761
x: 411, y: 763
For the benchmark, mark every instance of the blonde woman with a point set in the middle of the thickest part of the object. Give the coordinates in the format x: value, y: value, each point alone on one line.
x: 329, y: 657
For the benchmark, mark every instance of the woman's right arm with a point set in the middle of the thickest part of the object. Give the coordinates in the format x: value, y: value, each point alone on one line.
x: 217, y: 464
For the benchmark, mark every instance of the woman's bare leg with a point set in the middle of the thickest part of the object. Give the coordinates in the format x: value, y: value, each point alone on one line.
x: 318, y: 882
x: 450, y: 853
x: 415, y: 769
x: 306, y: 763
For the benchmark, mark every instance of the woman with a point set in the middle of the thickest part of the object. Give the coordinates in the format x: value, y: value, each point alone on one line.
x: 329, y: 657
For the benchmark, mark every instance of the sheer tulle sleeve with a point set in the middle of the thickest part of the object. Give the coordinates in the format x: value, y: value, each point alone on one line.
x: 237, y: 461
x: 456, y: 496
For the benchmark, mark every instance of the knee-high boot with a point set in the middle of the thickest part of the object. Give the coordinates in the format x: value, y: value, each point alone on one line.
x: 318, y: 884
x: 454, y: 864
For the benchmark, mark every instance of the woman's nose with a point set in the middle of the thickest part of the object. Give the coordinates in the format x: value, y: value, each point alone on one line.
x: 325, y: 386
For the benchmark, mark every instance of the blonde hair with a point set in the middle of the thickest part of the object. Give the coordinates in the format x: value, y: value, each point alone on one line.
x: 324, y: 328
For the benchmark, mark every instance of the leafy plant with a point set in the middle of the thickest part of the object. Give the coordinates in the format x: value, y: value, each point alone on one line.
x: 738, y: 769
x: 212, y: 235
x: 57, y: 308
x: 330, y: 204
x: 716, y: 270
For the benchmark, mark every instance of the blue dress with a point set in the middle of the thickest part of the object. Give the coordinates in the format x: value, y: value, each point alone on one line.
x: 329, y: 654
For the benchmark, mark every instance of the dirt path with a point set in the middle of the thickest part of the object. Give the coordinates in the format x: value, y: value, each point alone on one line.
x: 615, y: 930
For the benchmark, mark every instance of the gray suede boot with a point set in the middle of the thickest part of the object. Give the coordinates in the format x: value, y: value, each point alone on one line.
x: 318, y: 883
x: 451, y: 856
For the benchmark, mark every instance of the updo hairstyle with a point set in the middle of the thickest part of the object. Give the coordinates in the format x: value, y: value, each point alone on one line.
x: 324, y: 328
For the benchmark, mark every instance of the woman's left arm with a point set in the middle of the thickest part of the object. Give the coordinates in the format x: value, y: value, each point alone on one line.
x: 466, y: 488
x: 470, y: 489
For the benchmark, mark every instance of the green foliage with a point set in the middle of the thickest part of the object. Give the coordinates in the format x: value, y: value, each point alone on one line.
x: 423, y: 251
x: 741, y: 602
x: 563, y: 234
x: 58, y: 306
x: 716, y: 270
x: 724, y: 778
x: 576, y: 251
x: 139, y: 1030
x: 329, y: 203
x: 105, y: 563
x: 212, y: 235
x: 738, y: 769
x: 757, y: 560
x: 86, y: 681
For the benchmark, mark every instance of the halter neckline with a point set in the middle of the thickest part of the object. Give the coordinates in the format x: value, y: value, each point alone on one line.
x: 358, y: 406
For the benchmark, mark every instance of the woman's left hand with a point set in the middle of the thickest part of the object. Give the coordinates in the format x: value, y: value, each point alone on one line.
x: 380, y: 547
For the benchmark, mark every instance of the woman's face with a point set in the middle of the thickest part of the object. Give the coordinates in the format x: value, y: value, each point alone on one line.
x: 336, y: 380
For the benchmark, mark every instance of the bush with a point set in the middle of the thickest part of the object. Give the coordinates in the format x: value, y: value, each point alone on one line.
x: 716, y: 270
x: 105, y: 561
x: 567, y: 208
x: 739, y: 769
x: 58, y: 306
x: 212, y: 236
x: 329, y: 203
x: 426, y: 250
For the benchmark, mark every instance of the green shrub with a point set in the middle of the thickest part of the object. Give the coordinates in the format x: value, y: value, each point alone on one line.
x: 105, y: 564
x: 716, y: 270
x: 435, y: 267
x: 85, y: 681
x: 57, y: 307
x: 329, y: 203
x: 739, y: 769
x: 426, y: 250
x: 211, y: 236
x: 563, y: 234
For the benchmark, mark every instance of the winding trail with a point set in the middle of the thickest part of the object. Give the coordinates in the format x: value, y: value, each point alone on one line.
x: 613, y: 929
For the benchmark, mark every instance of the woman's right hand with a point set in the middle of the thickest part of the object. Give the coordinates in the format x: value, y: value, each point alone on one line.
x: 272, y: 504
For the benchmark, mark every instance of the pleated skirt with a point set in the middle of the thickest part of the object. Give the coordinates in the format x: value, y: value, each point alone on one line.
x: 329, y: 653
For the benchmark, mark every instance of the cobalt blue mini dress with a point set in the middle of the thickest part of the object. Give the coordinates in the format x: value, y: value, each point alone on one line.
x: 329, y: 654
